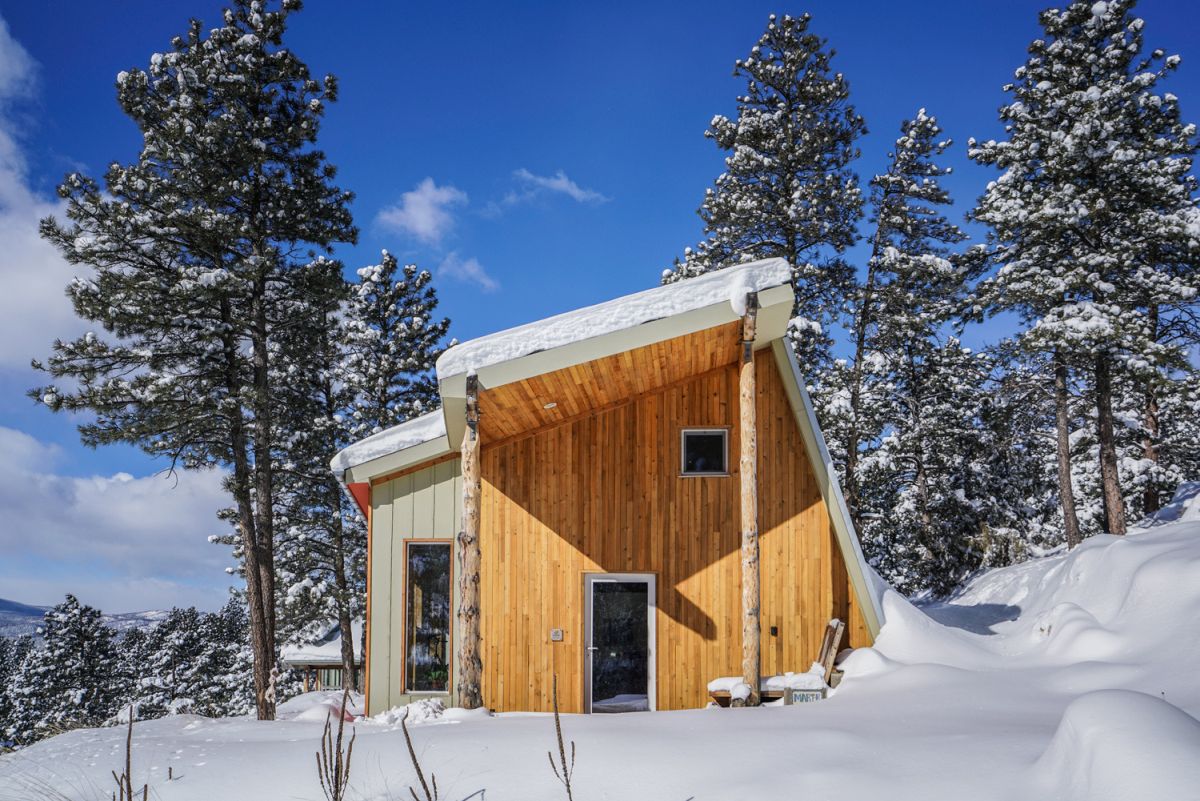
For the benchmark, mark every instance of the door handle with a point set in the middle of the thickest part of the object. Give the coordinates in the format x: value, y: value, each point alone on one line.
x: 592, y: 648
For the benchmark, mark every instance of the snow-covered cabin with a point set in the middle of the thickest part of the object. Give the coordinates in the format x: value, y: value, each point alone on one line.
x: 587, y: 469
x: 319, y: 663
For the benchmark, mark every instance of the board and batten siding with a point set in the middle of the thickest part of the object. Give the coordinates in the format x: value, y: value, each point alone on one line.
x: 602, y: 493
x: 419, y: 504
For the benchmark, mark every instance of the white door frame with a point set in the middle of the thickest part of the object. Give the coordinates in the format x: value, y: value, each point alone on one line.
x: 591, y: 579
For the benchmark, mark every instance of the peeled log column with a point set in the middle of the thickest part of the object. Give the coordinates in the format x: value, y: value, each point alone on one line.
x: 470, y: 667
x: 747, y: 430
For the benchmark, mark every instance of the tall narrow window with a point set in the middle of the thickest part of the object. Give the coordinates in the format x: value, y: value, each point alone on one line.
x: 704, y: 452
x: 427, y: 639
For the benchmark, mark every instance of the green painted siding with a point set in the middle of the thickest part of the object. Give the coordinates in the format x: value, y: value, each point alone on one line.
x: 426, y: 504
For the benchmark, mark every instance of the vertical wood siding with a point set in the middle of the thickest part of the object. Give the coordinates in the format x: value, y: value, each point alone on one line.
x: 603, y: 494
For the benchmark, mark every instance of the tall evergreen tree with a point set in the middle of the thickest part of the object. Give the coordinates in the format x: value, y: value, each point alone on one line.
x: 1093, y: 219
x: 203, y: 256
x: 393, y: 338
x: 71, y: 680
x: 366, y: 367
x: 911, y: 289
x: 787, y: 190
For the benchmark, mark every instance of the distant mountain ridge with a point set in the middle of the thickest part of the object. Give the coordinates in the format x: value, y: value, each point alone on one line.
x: 17, y: 619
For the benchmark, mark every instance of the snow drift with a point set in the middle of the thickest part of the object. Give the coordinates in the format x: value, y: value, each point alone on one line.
x: 1063, y: 679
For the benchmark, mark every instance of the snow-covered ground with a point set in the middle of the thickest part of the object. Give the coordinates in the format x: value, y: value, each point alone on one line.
x: 1070, y: 678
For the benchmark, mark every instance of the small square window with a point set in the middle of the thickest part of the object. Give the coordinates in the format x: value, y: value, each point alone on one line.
x: 704, y: 452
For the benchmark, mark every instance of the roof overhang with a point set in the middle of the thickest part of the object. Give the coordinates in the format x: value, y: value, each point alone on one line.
x: 398, y: 460
x: 774, y: 313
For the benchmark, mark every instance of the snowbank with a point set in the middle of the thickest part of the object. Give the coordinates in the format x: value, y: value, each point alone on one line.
x: 1117, y: 745
x: 1184, y: 506
x: 729, y: 285
x: 1070, y: 677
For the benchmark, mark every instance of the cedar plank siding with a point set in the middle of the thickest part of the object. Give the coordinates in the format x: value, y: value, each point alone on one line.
x: 602, y: 493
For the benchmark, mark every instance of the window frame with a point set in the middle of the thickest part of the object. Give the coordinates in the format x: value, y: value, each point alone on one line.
x: 683, y: 435
x: 404, y: 677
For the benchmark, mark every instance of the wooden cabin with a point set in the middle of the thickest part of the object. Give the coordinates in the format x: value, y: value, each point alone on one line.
x: 634, y: 497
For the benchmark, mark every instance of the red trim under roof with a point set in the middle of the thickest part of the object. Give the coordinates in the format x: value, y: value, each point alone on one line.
x: 361, y: 492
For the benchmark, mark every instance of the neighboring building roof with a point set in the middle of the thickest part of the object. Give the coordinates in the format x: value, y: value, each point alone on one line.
x: 325, y: 651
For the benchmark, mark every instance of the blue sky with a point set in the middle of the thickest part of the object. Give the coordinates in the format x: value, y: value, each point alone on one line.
x: 536, y: 157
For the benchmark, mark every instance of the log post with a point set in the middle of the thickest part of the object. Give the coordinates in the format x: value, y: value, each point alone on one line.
x: 468, y: 691
x: 748, y: 470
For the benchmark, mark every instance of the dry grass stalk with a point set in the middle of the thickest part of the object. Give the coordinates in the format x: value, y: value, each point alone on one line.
x: 124, y: 780
x: 333, y: 763
x: 412, y: 754
x: 563, y: 770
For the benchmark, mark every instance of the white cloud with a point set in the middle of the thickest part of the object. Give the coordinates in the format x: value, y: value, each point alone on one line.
x: 533, y: 185
x: 119, y: 542
x: 33, y: 307
x: 424, y: 212
x: 467, y: 270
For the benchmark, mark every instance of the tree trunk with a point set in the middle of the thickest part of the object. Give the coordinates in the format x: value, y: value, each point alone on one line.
x: 1151, y: 502
x: 264, y: 513
x: 261, y: 642
x: 342, y: 583
x: 748, y: 470
x: 469, y: 690
x: 1062, y: 432
x: 1114, y: 507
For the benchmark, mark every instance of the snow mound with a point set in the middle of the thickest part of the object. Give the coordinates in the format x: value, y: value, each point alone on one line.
x: 1117, y: 745
x: 408, y: 434
x: 1184, y: 506
x: 729, y: 285
x: 426, y: 710
x: 317, y: 706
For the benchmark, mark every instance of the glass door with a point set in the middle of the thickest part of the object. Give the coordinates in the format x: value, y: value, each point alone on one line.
x: 620, y: 643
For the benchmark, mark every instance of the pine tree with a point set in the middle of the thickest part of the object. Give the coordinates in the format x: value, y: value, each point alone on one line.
x: 1093, y: 220
x: 13, y: 653
x: 911, y: 289
x: 787, y: 190
x: 203, y: 255
x: 392, y: 341
x: 359, y: 371
x: 71, y: 680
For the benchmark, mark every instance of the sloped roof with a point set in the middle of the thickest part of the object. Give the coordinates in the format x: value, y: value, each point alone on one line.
x: 616, y: 326
x: 728, y: 286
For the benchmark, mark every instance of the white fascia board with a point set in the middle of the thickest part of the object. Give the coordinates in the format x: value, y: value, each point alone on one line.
x: 397, y: 460
x: 818, y: 453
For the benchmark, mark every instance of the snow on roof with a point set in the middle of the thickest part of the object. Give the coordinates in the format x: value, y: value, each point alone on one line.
x: 406, y: 435
x: 327, y: 650
x: 731, y: 285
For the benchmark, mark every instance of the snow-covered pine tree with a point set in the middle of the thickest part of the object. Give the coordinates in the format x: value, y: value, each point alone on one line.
x: 71, y: 680
x: 200, y: 251
x: 359, y: 371
x: 393, y: 338
x: 787, y: 189
x: 911, y: 290
x: 169, y: 651
x: 321, y: 544
x: 13, y: 653
x: 222, y: 674
x: 1093, y: 219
